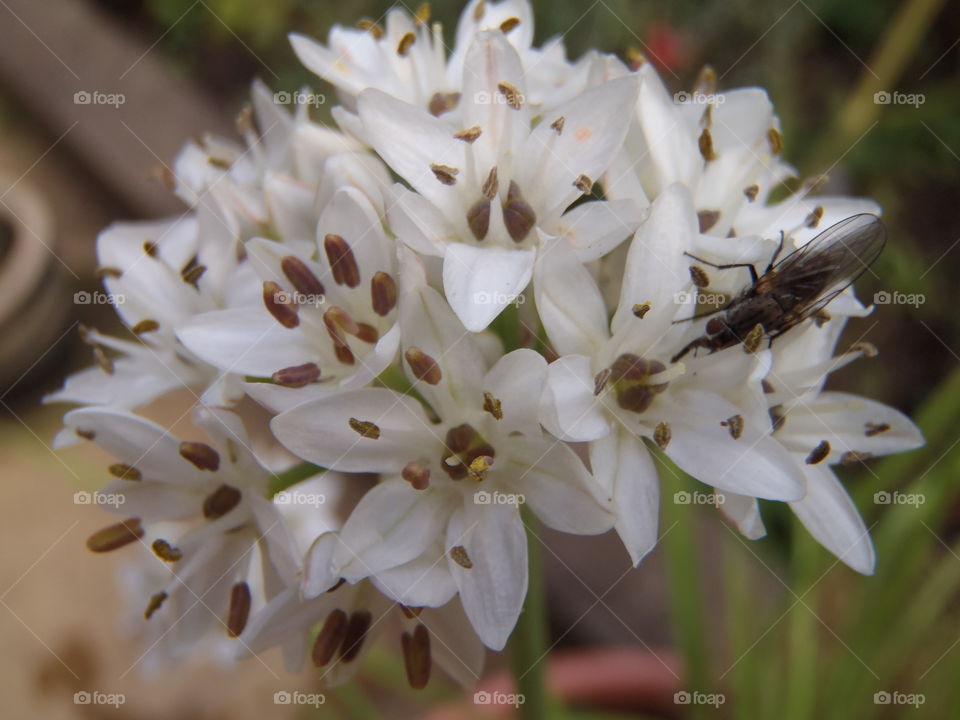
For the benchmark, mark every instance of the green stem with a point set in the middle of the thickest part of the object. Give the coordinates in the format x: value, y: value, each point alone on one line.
x: 529, y: 643
x: 801, y: 670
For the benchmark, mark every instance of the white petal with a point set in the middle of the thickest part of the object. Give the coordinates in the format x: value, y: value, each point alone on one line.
x: 517, y: 380
x: 493, y: 589
x: 569, y: 409
x: 595, y: 228
x: 319, y: 431
x: 318, y: 574
x: 391, y: 525
x: 742, y: 511
x: 624, y: 469
x: 831, y: 517
x: 673, y: 150
x: 569, y: 302
x: 453, y: 643
x: 425, y: 581
x: 480, y: 282
x: 557, y: 485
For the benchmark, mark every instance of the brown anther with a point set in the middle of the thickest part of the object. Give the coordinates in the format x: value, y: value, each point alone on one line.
x: 367, y: 333
x: 108, y: 272
x: 557, y: 125
x: 192, y: 275
x: 469, y: 135
x: 364, y: 428
x: 600, y: 381
x: 509, y: 24
x: 422, y: 14
x: 491, y: 186
x: 165, y: 551
x: 458, y: 554
x: 383, y: 293
x: 584, y: 184
x: 343, y: 264
x: 423, y: 366
x: 297, y: 376
x: 156, y: 601
x: 406, y: 42
x: 221, y: 501
x: 354, y: 635
x: 103, y: 359
x: 635, y: 58
x: 277, y: 303
x: 416, y: 656
x: 162, y: 174
x: 873, y: 429
x: 145, y: 326
x: 706, y: 145
x: 852, y: 457
x: 125, y: 472
x: 478, y: 218
x: 329, y: 638
x: 814, y: 218
x: 339, y: 321
x: 777, y: 417
x: 699, y: 276
x: 301, y: 277
x: 767, y: 387
x: 706, y: 81
x: 818, y: 454
x: 151, y: 248
x: 239, y: 609
x: 479, y: 10
x: 518, y: 216
x: 371, y: 27
x: 115, y: 536
x: 776, y: 141
x: 492, y: 405
x: 218, y: 162
x: 479, y: 466
x: 85, y: 434
x: 201, y: 455
x: 512, y: 94
x: 662, y: 435
x: 751, y: 192
x: 753, y: 340
x: 707, y: 219
x: 443, y: 102
x: 417, y: 474
x: 446, y: 174
x: 734, y: 425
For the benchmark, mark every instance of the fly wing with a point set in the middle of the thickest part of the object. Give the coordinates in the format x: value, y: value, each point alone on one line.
x: 827, y: 265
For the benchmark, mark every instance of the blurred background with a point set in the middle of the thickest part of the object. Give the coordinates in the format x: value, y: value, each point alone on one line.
x: 775, y: 626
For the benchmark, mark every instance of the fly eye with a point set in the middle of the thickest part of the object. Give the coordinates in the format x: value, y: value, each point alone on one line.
x: 715, y: 326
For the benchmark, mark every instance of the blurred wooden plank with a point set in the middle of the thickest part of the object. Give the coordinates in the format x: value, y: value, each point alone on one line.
x: 52, y: 50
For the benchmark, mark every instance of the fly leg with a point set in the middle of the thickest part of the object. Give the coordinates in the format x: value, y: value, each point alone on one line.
x: 730, y: 266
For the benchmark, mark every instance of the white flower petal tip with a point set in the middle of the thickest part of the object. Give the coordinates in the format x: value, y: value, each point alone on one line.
x: 480, y: 282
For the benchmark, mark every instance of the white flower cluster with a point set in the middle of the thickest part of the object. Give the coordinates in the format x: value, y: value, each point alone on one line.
x: 334, y: 328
